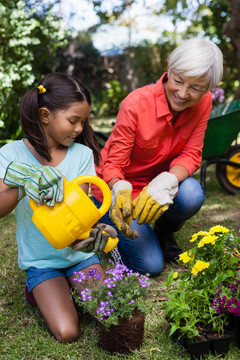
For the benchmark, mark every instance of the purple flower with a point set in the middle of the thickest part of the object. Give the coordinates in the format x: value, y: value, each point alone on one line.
x: 80, y: 276
x: 119, y: 288
x: 218, y: 95
x: 233, y: 287
x: 144, y: 281
x: 131, y: 302
x: 83, y: 295
x: 227, y: 303
x: 94, y: 274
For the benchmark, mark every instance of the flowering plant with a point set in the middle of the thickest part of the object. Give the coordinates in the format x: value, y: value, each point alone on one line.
x: 212, y: 262
x: 227, y: 299
x: 121, y: 292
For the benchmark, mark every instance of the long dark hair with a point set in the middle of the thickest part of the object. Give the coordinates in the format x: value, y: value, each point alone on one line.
x: 61, y: 91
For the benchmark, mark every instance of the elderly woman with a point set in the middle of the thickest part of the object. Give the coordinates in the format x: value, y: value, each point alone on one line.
x: 155, y: 147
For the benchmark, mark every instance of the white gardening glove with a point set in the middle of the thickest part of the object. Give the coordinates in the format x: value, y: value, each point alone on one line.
x: 155, y: 198
x: 121, y: 208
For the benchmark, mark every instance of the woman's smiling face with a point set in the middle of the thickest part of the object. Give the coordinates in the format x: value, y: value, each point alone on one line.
x: 184, y: 91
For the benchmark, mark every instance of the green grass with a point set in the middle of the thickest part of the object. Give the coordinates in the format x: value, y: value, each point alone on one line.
x: 24, y: 335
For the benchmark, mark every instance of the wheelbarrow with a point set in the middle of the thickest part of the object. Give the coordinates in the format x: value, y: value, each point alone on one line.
x: 221, y: 148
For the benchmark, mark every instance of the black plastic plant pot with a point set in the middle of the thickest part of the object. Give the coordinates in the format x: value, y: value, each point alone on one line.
x: 213, y: 343
x: 220, y: 344
x: 179, y: 338
x: 195, y: 348
x: 237, y: 331
x: 207, y: 343
x: 198, y: 348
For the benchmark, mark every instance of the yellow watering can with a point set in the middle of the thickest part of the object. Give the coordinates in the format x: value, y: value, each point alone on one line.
x: 74, y: 217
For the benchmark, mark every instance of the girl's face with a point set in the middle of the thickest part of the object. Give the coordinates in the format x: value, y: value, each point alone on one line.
x: 184, y: 91
x: 62, y: 127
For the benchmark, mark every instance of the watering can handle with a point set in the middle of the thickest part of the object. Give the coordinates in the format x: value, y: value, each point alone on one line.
x: 107, y: 197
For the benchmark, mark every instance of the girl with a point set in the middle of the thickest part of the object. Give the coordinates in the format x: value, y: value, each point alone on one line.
x: 55, y: 119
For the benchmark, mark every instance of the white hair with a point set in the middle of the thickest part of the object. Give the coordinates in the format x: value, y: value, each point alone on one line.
x: 198, y: 57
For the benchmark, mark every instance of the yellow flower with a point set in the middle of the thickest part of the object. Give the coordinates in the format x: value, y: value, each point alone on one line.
x: 175, y: 274
x: 200, y: 233
x: 184, y: 257
x: 218, y: 229
x: 192, y: 255
x: 199, y: 266
x: 209, y: 239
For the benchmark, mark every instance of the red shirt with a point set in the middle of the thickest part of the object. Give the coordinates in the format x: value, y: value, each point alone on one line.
x: 144, y: 143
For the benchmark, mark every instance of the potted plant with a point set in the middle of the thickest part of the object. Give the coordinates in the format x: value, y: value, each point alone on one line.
x: 118, y: 304
x: 210, y: 263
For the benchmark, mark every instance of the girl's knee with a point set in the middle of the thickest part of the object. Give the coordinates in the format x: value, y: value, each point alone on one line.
x: 67, y: 334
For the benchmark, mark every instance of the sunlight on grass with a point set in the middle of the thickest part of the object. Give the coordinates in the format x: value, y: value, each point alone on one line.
x: 103, y: 125
x: 213, y: 207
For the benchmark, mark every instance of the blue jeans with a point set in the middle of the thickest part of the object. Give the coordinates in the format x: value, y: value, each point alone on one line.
x: 144, y: 254
x: 36, y: 276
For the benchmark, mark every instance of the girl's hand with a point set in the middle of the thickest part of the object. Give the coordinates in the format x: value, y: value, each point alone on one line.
x: 41, y: 183
x: 97, y: 240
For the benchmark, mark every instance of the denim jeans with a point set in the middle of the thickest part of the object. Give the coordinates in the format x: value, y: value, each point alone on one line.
x: 144, y: 254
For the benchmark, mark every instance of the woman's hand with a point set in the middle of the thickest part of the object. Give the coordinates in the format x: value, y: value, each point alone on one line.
x: 122, y: 207
x: 97, y: 240
x: 41, y: 183
x: 155, y: 198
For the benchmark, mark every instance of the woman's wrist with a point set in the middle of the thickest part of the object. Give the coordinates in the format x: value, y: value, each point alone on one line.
x: 112, y: 182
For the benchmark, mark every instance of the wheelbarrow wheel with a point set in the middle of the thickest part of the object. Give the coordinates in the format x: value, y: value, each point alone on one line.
x: 229, y: 176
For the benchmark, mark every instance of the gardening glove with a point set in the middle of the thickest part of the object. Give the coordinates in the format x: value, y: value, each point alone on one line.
x: 121, y: 208
x: 155, y: 198
x: 41, y: 183
x: 97, y: 240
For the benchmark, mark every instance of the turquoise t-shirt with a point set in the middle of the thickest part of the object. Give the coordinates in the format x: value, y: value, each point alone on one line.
x: 34, y: 250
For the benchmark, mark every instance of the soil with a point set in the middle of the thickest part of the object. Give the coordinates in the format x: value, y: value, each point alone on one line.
x: 124, y: 337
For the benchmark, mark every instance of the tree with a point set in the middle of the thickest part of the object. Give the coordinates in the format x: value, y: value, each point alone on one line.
x: 214, y: 19
x: 208, y: 18
x: 29, y: 38
x: 106, y: 14
x: 217, y: 20
x: 232, y: 30
x: 80, y: 58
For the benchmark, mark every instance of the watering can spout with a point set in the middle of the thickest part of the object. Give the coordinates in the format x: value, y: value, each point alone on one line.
x: 74, y: 217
